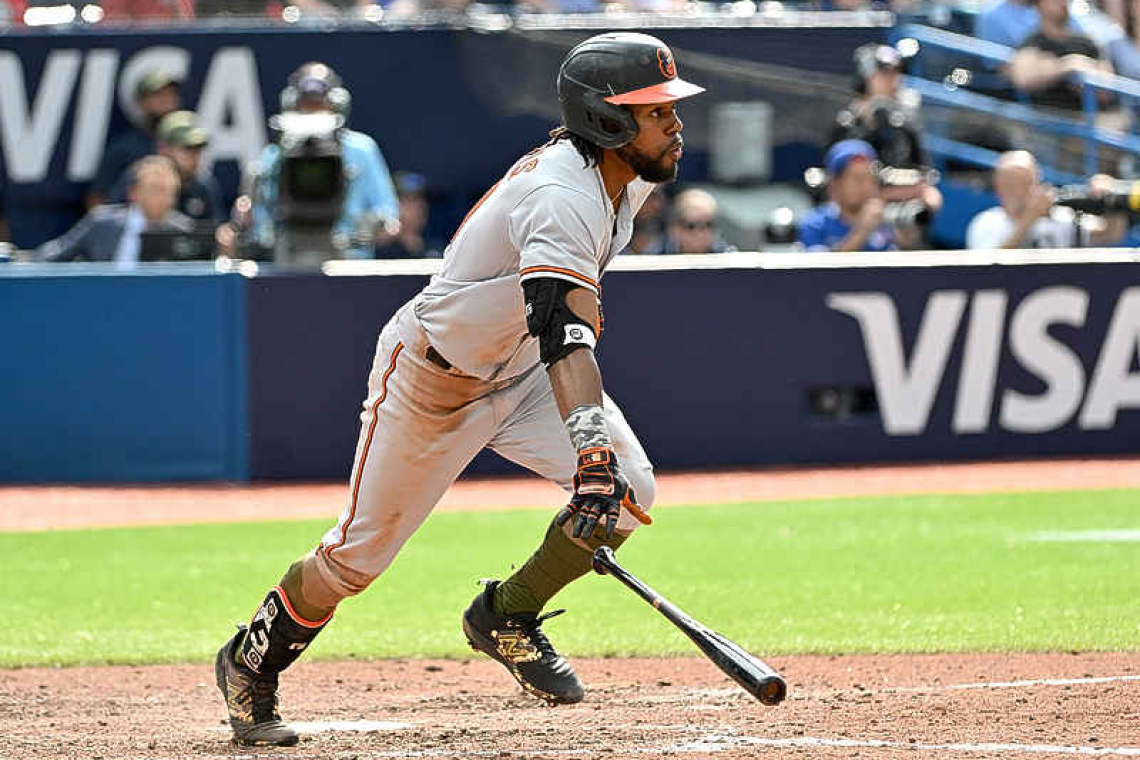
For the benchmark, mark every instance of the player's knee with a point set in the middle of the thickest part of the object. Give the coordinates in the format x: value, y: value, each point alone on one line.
x: 644, y: 485
x: 331, y: 580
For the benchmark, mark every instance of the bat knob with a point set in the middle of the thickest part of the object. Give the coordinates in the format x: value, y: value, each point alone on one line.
x: 773, y: 691
x: 602, y: 557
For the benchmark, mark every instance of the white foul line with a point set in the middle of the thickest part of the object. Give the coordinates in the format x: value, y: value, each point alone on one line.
x: 1015, y: 684
x: 1044, y: 682
x: 717, y: 745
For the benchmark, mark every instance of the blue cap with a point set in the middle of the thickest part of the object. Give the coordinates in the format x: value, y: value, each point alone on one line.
x: 410, y: 183
x: 843, y: 152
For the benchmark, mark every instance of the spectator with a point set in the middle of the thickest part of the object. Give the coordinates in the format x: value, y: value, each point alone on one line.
x: 147, y: 10
x: 238, y: 8
x: 182, y: 140
x: 1116, y: 38
x: 413, y: 7
x: 693, y: 225
x: 5, y: 233
x: 1007, y: 22
x: 329, y: 7
x: 853, y: 218
x: 370, y: 198
x: 409, y: 242
x: 649, y: 224
x: 113, y: 233
x: 157, y: 93
x: 885, y: 114
x: 1047, y: 57
x: 1028, y: 216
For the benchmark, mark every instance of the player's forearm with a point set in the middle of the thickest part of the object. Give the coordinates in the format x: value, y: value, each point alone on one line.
x: 576, y: 381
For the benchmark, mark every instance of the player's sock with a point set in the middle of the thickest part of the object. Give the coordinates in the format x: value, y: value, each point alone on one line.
x: 557, y: 562
x: 276, y: 635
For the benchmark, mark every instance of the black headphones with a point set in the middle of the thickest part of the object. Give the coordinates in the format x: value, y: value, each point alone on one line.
x: 338, y: 96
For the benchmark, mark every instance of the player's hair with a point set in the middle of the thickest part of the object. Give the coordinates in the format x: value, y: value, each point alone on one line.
x: 591, y: 153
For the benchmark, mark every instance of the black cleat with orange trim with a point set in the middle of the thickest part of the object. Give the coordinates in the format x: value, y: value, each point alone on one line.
x: 249, y: 663
x: 251, y: 699
x: 517, y: 641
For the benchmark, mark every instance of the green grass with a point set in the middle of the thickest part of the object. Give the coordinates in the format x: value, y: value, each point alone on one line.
x: 932, y: 573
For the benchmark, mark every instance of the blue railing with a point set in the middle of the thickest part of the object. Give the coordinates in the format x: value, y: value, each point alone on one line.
x: 1127, y: 91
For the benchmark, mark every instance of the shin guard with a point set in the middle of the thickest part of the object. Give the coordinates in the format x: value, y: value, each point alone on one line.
x: 277, y: 635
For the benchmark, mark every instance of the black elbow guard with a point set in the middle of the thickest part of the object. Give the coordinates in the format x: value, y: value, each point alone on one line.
x: 548, y: 318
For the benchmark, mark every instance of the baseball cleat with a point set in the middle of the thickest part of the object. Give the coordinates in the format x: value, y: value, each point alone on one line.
x: 517, y: 641
x: 251, y: 699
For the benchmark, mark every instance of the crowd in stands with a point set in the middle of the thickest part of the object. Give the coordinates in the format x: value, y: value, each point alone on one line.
x: 877, y: 191
x: 120, y: 11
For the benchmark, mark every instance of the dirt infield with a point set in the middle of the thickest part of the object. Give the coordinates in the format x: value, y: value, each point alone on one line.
x: 1055, y: 705
x: 839, y: 707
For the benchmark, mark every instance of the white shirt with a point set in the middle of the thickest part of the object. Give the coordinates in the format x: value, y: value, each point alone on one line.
x: 549, y: 216
x: 992, y: 227
x: 127, y: 254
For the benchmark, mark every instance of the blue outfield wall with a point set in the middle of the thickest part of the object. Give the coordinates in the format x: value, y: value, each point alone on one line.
x: 123, y: 377
x: 173, y: 377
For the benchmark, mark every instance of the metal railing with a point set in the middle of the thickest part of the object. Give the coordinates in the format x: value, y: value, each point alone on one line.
x: 1084, y: 129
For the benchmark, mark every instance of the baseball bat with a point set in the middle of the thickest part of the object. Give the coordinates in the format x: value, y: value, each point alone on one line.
x: 750, y: 672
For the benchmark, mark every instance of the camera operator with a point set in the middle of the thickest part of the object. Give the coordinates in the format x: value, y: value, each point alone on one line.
x: 885, y: 114
x: 861, y: 214
x: 1031, y: 214
x: 320, y: 190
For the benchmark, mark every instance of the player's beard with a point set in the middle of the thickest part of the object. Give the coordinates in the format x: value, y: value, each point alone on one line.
x: 650, y: 169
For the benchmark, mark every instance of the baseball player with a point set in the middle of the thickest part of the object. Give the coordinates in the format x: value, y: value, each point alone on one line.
x: 497, y: 351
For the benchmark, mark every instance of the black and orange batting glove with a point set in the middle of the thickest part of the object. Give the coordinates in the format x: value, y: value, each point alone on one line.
x: 600, y: 492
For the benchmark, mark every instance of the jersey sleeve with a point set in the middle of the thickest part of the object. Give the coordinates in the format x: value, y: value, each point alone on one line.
x: 555, y: 230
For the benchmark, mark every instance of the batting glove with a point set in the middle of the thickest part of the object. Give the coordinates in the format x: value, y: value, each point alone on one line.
x: 600, y: 492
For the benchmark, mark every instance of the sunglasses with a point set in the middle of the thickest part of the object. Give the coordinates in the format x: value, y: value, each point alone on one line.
x: 700, y: 224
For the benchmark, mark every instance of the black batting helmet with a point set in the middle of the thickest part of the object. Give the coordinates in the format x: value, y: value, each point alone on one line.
x: 608, y: 71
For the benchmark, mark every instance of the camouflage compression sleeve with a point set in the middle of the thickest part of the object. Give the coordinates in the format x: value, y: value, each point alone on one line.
x: 587, y: 427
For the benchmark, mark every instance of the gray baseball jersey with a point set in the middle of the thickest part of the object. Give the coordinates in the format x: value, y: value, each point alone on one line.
x: 456, y: 371
x: 548, y: 217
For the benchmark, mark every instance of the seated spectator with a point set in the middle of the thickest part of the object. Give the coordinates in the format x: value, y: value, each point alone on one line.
x: 885, y: 114
x: 561, y: 6
x: 404, y: 8
x: 1028, y: 216
x: 649, y: 224
x: 238, y: 8
x: 852, y: 220
x: 180, y: 139
x: 5, y: 233
x: 1007, y: 22
x: 409, y: 241
x: 1047, y: 57
x: 1116, y: 32
x: 157, y: 93
x: 693, y: 226
x: 112, y: 233
x: 148, y: 10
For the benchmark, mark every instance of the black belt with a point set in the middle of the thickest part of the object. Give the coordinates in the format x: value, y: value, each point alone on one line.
x: 435, y: 358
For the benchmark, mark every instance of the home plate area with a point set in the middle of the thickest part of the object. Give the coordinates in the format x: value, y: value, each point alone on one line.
x: 914, y: 706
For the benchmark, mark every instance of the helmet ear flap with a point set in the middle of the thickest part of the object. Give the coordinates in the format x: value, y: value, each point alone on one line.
x: 611, y: 126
